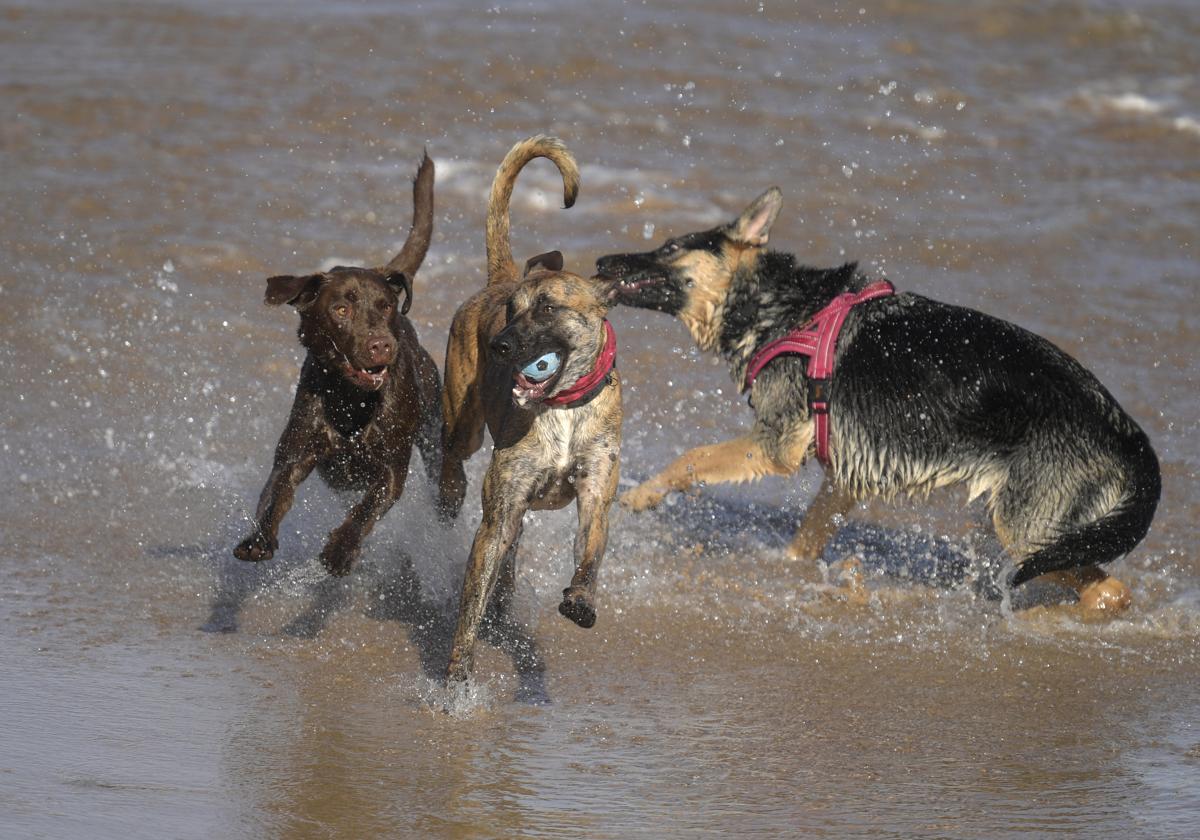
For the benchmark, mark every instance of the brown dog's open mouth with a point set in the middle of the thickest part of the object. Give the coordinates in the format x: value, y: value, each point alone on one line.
x: 370, y: 379
x: 525, y: 390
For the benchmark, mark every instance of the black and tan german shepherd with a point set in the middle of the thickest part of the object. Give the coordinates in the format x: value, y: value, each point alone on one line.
x: 923, y: 395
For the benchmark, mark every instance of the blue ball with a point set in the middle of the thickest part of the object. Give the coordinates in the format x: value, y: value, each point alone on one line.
x: 543, y: 367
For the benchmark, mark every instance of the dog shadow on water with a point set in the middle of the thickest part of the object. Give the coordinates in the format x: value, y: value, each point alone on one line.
x: 394, y: 593
x: 900, y: 555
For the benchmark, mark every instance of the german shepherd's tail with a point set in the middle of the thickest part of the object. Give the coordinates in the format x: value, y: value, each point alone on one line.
x: 1113, y: 534
x: 412, y: 253
x: 501, y: 268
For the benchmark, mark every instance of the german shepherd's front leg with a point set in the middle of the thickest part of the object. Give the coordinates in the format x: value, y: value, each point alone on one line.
x: 746, y: 458
x: 503, y: 510
x: 595, y: 496
x: 821, y: 521
x: 345, y: 541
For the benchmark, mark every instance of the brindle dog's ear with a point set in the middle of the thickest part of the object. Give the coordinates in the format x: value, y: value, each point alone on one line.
x: 287, y: 288
x: 400, y: 282
x: 754, y: 225
x: 549, y: 261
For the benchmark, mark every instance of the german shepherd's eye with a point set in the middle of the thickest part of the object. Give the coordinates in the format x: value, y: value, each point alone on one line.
x: 341, y: 310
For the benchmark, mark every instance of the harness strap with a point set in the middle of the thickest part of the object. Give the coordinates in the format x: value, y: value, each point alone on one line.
x: 586, y: 387
x: 818, y: 340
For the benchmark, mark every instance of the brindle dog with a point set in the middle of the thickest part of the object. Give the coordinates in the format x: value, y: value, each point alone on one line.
x: 923, y: 395
x: 367, y: 392
x: 545, y: 454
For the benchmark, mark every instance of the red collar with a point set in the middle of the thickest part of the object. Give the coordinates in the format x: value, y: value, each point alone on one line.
x: 589, y: 385
x: 818, y: 339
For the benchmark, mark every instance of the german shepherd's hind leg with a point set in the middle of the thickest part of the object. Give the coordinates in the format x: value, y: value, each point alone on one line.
x: 1099, y: 592
x: 734, y: 461
x: 821, y: 521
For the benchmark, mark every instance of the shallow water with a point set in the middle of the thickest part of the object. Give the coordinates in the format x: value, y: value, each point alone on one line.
x: 160, y: 159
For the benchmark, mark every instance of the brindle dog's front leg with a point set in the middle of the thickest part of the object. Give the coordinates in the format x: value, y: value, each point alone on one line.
x: 594, y: 498
x: 737, y: 460
x: 345, y: 541
x: 292, y: 466
x: 503, y: 509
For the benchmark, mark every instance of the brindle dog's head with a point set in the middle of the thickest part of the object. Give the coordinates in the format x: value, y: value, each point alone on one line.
x: 552, y: 311
x: 348, y: 318
x: 689, y: 276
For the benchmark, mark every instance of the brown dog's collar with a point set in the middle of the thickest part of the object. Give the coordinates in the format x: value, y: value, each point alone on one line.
x: 588, y: 386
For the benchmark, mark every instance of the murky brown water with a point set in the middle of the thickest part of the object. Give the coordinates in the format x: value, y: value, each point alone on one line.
x: 1039, y: 161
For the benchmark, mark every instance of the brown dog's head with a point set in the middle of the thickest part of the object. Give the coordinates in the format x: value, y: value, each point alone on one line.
x: 554, y: 316
x: 689, y: 276
x: 348, y: 318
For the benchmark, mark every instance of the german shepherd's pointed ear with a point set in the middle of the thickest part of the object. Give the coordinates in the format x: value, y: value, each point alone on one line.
x: 401, y: 282
x: 298, y: 291
x: 754, y: 225
x: 549, y: 261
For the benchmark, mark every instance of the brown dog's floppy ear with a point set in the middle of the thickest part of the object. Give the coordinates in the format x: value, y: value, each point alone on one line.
x: 287, y: 288
x: 754, y: 225
x: 549, y: 261
x: 399, y: 280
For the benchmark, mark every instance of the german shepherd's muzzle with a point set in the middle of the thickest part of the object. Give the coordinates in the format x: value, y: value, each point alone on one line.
x: 922, y: 395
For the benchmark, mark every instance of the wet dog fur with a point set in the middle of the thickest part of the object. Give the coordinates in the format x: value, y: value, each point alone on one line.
x: 923, y: 395
x: 368, y: 391
x: 543, y: 457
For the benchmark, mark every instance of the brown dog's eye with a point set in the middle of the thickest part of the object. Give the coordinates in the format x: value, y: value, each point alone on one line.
x: 341, y: 310
x: 548, y: 308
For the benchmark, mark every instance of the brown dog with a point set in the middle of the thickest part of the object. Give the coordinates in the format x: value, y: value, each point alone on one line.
x: 367, y: 392
x: 557, y: 437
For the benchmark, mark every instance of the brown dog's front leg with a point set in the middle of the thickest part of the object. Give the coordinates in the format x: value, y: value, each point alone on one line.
x: 821, y: 521
x: 342, y: 547
x: 502, y: 515
x: 273, y: 504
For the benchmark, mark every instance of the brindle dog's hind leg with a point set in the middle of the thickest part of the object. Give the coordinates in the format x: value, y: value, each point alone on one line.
x: 821, y: 521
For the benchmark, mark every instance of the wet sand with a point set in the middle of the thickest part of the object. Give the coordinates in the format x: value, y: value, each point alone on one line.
x: 161, y: 159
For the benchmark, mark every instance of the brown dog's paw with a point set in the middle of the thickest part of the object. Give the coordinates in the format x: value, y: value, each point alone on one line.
x: 643, y: 497
x: 577, y: 606
x: 340, y: 552
x: 255, y: 548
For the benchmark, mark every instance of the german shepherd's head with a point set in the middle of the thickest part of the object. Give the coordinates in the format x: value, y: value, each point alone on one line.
x: 690, y: 276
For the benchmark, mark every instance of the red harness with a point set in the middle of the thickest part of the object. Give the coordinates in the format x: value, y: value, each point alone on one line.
x: 818, y: 339
x: 589, y: 385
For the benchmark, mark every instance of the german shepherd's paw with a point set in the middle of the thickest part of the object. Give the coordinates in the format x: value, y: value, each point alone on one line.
x: 256, y: 548
x: 577, y: 606
x: 643, y: 497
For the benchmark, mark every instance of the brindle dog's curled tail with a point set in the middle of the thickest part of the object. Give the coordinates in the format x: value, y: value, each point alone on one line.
x: 412, y: 253
x: 501, y: 268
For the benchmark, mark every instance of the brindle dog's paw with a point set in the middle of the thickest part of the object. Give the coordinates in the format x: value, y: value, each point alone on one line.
x: 255, y: 548
x: 643, y: 497
x: 577, y: 606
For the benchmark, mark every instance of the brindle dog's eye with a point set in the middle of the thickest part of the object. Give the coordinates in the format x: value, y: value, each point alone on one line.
x: 341, y: 310
x: 548, y: 308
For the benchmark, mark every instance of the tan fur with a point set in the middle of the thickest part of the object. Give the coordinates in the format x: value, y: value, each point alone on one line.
x: 821, y: 521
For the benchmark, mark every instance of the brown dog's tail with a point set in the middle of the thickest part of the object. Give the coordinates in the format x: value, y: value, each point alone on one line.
x: 412, y: 253
x: 501, y: 267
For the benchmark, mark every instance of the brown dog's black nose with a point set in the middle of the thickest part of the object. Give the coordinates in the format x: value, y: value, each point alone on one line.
x: 502, y: 346
x: 379, y: 350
